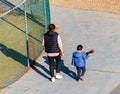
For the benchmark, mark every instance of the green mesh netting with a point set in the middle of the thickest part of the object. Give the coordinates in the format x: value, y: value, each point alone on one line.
x: 22, y: 25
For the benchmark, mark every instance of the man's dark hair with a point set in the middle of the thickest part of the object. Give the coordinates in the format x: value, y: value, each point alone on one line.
x: 79, y: 47
x: 51, y: 27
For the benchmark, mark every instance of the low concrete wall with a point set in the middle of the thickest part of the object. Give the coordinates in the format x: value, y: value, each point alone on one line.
x: 96, y: 5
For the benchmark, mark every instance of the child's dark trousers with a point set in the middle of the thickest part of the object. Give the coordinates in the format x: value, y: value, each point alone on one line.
x: 80, y: 71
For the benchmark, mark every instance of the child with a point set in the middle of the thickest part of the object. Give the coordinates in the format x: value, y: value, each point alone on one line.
x: 79, y: 61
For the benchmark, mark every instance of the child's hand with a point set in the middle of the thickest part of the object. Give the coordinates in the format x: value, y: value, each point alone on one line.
x: 90, y: 52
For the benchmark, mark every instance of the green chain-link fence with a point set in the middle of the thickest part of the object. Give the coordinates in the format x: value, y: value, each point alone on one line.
x: 22, y: 25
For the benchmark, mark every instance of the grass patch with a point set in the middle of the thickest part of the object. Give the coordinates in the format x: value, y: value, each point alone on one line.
x: 13, y: 51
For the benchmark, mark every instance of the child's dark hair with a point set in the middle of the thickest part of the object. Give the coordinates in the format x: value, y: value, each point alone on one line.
x: 51, y: 27
x: 79, y: 47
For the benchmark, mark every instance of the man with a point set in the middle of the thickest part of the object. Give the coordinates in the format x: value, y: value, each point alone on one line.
x: 54, y: 49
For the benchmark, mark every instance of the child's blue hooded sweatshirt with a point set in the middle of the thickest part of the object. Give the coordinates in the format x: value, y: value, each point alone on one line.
x: 79, y: 59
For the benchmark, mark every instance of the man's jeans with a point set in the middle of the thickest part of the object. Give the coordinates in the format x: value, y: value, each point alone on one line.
x: 51, y: 64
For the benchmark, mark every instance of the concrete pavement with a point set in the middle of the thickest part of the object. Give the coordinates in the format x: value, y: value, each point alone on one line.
x: 94, y: 30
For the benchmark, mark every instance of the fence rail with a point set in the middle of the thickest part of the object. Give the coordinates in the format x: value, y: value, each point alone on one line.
x: 22, y: 25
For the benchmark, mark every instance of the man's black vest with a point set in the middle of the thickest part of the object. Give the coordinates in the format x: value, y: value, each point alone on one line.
x: 51, y: 42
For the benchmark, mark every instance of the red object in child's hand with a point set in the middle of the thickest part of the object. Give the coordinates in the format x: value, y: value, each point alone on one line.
x: 89, y: 52
x: 92, y: 51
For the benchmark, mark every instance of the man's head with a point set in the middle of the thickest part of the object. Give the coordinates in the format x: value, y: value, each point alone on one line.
x: 51, y: 27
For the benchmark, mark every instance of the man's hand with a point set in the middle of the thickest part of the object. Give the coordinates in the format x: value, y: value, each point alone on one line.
x: 62, y: 54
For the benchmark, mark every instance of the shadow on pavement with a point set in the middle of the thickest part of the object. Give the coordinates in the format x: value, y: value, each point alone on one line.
x: 64, y: 68
x: 34, y: 66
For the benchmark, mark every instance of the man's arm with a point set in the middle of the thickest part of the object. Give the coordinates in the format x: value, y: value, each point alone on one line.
x: 60, y: 45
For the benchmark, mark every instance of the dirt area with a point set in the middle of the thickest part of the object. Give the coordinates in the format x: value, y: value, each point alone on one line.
x: 97, y: 5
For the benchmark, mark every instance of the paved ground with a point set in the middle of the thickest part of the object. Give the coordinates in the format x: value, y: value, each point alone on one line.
x: 94, y: 30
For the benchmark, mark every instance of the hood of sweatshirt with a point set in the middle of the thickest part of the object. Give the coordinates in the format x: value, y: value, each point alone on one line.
x: 78, y: 54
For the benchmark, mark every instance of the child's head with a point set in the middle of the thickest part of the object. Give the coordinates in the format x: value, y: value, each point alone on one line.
x: 79, y: 47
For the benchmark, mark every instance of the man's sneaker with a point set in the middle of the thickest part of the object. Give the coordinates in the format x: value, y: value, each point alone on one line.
x: 53, y: 79
x: 58, y: 76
